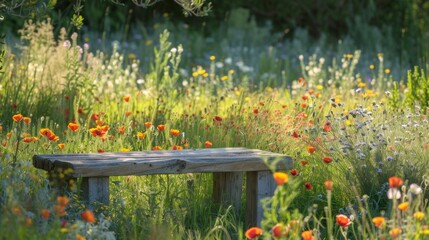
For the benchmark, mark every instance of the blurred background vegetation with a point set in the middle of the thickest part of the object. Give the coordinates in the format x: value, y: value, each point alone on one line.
x: 398, y: 28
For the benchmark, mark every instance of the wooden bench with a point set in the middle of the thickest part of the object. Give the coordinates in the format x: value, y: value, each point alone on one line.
x: 226, y: 164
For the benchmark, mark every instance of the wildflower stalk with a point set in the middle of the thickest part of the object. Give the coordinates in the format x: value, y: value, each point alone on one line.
x: 328, y: 212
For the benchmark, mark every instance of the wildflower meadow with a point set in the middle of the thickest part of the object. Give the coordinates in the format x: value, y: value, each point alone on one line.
x: 353, y: 118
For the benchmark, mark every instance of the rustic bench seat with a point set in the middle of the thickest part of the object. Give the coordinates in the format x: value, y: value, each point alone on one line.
x: 227, y: 165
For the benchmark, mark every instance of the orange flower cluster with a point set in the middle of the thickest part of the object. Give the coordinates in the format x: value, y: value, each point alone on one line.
x: 99, y: 131
x: 49, y: 134
x: 59, y: 209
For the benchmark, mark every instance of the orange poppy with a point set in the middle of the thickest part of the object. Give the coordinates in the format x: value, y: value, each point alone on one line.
x: 148, y: 124
x: 62, y: 201
x: 343, y: 220
x: 176, y: 147
x: 311, y: 149
x: 141, y: 135
x: 17, y: 117
x: 328, y: 185
x: 26, y: 120
x: 59, y: 210
x: 161, y: 127
x: 208, y: 144
x: 379, y: 221
x: 280, y: 178
x: 88, y: 216
x: 395, y: 232
x: 253, y: 232
x: 327, y: 127
x: 156, y: 148
x: 61, y: 145
x: 99, y: 131
x: 29, y: 139
x: 121, y: 129
x: 73, y: 126
x: 395, y: 182
x: 48, y: 134
x: 307, y: 235
x: 45, y: 213
x: 126, y: 98
x: 403, y: 206
x: 79, y: 237
x: 100, y: 150
x: 174, y: 132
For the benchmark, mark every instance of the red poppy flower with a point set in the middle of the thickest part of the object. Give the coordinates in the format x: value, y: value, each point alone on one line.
x: 308, y: 186
x: 253, y: 232
x: 217, y: 118
x: 295, y: 134
x: 327, y: 159
x: 327, y: 127
x: 395, y: 182
x: 278, y: 230
x: 305, y: 97
x: 294, y: 172
x: 303, y: 163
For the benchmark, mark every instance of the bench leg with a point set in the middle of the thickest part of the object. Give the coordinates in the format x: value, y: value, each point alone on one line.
x: 259, y: 185
x: 96, y: 189
x: 227, y: 188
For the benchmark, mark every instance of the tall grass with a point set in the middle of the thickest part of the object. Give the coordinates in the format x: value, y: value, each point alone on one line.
x: 337, y: 121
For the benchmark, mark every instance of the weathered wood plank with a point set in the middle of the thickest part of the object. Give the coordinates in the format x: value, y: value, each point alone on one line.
x: 265, y: 188
x: 95, y: 189
x: 162, y: 162
x: 259, y: 185
x: 227, y: 189
x: 251, y: 199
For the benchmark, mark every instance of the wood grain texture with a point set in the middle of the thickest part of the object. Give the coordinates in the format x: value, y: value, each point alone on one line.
x: 163, y: 162
x: 96, y: 190
x: 227, y: 189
